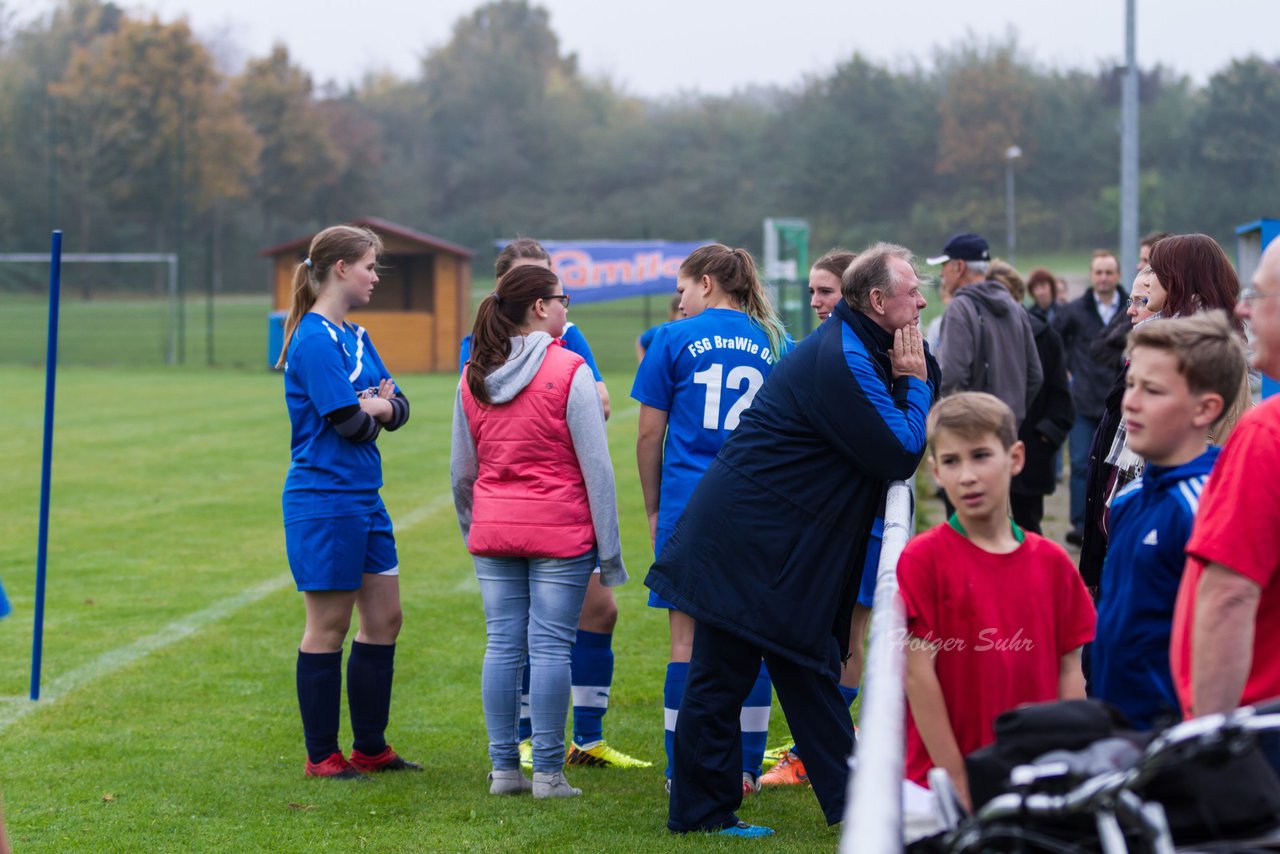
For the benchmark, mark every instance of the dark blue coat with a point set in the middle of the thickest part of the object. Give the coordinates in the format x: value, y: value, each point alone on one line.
x: 772, y: 542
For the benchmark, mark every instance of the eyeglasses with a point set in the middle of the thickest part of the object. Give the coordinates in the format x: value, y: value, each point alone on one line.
x: 564, y: 298
x: 1252, y: 294
x: 1138, y: 302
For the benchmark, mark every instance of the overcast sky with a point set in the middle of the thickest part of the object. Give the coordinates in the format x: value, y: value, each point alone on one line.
x: 659, y: 47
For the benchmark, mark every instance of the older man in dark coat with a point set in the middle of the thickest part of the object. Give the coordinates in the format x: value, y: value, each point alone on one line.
x: 768, y: 555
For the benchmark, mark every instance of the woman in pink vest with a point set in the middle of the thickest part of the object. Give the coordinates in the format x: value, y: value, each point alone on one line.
x: 533, y: 487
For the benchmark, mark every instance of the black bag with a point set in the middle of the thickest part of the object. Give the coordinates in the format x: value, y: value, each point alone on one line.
x: 1024, y: 733
x: 1218, y: 796
x: 1209, y: 796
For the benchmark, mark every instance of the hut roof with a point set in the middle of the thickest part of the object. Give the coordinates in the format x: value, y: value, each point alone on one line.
x: 381, y: 226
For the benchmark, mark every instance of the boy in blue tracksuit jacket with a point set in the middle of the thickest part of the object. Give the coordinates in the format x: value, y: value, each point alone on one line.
x: 1183, y: 374
x: 1151, y: 522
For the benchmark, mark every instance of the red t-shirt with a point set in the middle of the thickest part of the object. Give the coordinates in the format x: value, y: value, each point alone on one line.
x: 1238, y: 526
x: 1003, y: 621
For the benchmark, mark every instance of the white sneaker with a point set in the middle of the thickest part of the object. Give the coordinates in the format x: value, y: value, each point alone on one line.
x: 553, y: 785
x: 511, y: 782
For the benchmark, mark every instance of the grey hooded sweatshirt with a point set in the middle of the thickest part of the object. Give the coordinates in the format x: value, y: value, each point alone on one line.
x: 987, y: 345
x: 585, y: 417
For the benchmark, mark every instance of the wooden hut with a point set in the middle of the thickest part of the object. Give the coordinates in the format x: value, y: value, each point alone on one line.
x: 420, y: 307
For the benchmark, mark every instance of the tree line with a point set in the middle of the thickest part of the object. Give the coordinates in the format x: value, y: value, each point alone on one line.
x: 134, y: 134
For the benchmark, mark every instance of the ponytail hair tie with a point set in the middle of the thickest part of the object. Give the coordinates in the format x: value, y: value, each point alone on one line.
x: 307, y: 261
x: 497, y: 300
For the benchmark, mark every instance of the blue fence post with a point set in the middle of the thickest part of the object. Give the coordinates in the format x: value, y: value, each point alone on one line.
x: 46, y: 464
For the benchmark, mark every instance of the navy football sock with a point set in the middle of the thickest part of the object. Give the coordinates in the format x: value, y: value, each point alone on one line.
x: 369, y: 671
x: 592, y: 674
x: 672, y: 694
x: 319, y: 700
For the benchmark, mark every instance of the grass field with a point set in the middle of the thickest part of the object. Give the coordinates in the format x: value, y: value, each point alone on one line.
x: 169, y: 721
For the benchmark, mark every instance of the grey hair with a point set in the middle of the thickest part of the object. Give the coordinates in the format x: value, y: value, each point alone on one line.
x: 871, y: 271
x: 979, y: 267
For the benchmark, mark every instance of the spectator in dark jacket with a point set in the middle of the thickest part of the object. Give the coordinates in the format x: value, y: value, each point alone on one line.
x: 1050, y: 413
x: 1092, y: 372
x: 1042, y: 287
x: 768, y: 555
x: 986, y: 342
x: 1188, y: 274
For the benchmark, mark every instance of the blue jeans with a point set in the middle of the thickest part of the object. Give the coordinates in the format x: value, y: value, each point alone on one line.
x: 1078, y: 442
x: 530, y: 605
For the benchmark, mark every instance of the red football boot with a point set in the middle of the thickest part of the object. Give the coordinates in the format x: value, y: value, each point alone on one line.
x: 387, y: 760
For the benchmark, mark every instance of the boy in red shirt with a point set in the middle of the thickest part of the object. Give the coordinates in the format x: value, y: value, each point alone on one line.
x: 996, y: 616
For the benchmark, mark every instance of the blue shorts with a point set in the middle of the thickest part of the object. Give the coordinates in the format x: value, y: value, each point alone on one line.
x: 660, y: 542
x: 867, y: 591
x: 335, y: 553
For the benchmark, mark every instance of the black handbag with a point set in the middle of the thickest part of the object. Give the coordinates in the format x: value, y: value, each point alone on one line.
x: 1226, y: 793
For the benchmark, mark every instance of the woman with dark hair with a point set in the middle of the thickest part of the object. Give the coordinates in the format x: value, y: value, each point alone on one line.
x: 534, y: 492
x: 592, y: 662
x: 1042, y: 287
x: 1196, y: 275
x: 1188, y: 274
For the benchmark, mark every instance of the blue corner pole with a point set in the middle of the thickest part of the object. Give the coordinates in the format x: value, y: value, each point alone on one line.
x: 46, y: 464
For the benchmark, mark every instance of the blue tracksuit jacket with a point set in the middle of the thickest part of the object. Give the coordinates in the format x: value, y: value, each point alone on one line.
x: 1151, y: 522
x: 772, y: 542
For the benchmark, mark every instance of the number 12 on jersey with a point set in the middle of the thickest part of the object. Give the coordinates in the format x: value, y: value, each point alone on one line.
x: 714, y: 379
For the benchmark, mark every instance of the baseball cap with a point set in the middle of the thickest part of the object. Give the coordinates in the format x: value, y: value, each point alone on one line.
x: 963, y: 247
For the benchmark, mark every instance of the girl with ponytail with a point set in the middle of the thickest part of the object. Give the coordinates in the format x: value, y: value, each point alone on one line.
x: 533, y: 489
x: 338, y: 535
x: 592, y: 662
x: 697, y: 378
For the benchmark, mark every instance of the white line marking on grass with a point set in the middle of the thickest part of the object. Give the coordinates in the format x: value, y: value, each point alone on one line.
x: 112, y: 660
x: 14, y: 709
x: 418, y: 515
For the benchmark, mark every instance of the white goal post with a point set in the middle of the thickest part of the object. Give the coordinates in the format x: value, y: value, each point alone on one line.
x: 169, y: 259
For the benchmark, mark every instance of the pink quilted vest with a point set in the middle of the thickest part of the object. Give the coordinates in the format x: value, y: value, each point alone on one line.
x: 529, y: 499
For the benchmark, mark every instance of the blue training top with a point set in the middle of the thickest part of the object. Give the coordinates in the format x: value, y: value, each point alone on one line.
x: 1151, y: 521
x: 646, y: 338
x: 326, y: 368
x: 574, y: 341
x: 703, y: 371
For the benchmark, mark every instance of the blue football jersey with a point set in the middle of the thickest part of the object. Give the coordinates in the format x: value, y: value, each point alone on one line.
x: 574, y: 341
x: 646, y: 338
x: 326, y: 368
x: 703, y: 372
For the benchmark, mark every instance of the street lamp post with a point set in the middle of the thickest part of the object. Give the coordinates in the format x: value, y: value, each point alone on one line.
x: 1129, y: 143
x: 1011, y: 154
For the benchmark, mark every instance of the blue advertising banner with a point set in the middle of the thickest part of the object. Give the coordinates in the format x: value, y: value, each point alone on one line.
x: 600, y: 270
